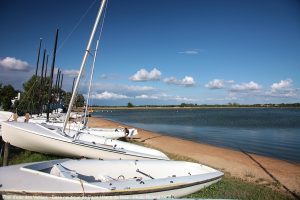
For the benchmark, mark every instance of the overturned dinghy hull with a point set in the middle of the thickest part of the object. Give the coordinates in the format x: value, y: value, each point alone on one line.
x: 95, y: 179
x: 39, y: 138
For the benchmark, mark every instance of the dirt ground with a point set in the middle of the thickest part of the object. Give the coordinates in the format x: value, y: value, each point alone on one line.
x: 264, y: 170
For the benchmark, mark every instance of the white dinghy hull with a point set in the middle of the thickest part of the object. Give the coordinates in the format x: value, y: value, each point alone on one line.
x: 95, y: 179
x: 35, y: 137
x: 112, y: 133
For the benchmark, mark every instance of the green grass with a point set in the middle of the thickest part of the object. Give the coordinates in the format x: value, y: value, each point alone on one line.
x: 233, y: 188
x: 18, y: 156
x: 228, y: 187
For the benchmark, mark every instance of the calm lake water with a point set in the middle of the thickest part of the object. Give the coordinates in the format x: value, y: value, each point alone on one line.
x: 273, y: 132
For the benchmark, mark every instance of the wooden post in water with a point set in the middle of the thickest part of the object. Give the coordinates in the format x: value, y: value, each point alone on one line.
x: 6, y: 154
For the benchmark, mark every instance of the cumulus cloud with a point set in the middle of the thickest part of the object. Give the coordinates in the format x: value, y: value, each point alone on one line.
x: 215, y: 84
x: 283, y: 84
x: 71, y: 72
x: 187, y: 81
x: 108, y: 95
x: 144, y: 75
x: 218, y: 84
x: 13, y: 64
x: 251, y: 86
x: 284, y: 88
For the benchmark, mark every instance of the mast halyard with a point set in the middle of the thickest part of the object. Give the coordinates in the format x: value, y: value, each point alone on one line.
x: 83, y: 63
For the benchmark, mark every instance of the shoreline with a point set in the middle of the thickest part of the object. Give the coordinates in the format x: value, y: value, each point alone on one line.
x: 280, y: 174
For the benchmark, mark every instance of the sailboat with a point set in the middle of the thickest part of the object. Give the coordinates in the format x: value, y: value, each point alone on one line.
x: 48, y: 139
x: 109, y: 179
x: 111, y: 133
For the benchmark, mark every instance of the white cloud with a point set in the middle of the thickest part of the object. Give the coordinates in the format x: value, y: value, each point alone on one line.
x: 215, y: 84
x: 251, y: 86
x: 144, y: 75
x: 13, y: 64
x: 219, y: 84
x: 282, y: 84
x: 71, y: 72
x: 187, y: 81
x: 230, y: 98
x: 165, y: 97
x: 145, y: 96
x: 108, y: 95
x: 183, y: 99
x: 190, y: 52
x: 282, y: 89
x: 282, y: 93
x: 103, y: 76
x: 138, y: 88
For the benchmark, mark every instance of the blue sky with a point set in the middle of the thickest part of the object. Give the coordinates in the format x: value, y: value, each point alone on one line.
x: 162, y: 51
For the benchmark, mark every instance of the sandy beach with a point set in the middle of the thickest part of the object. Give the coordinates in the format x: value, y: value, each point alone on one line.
x: 250, y: 167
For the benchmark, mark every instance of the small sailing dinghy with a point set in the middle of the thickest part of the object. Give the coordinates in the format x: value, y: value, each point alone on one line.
x: 109, y: 179
x: 51, y: 140
x: 112, y: 133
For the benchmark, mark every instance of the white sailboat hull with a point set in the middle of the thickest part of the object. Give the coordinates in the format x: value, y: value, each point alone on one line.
x: 113, y: 133
x: 94, y: 179
x: 35, y: 137
x: 5, y: 116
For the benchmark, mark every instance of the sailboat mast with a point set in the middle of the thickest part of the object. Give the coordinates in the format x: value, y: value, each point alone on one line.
x: 83, y: 63
x: 51, y: 75
x: 90, y: 84
x: 38, y: 58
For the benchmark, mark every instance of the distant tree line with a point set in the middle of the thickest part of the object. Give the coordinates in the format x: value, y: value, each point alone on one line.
x: 190, y: 105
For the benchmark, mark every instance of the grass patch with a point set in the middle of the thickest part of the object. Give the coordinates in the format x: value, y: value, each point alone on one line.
x: 18, y: 156
x: 234, y: 188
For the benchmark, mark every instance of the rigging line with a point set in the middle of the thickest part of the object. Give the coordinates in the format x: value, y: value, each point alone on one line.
x: 76, y: 26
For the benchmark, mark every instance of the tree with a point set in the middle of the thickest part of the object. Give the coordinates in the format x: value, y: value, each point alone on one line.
x: 7, y: 93
x: 130, y: 105
x: 34, y: 97
x: 79, y: 101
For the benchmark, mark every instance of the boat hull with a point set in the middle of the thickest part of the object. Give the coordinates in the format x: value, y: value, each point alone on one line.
x: 37, y: 138
x: 36, y: 184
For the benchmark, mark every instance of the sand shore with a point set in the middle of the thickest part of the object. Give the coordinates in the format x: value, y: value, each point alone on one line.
x: 250, y: 167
